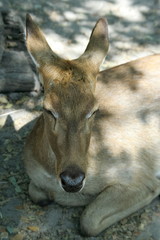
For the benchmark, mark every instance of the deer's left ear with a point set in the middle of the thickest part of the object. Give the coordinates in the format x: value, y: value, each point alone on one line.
x: 97, y: 47
x: 37, y: 45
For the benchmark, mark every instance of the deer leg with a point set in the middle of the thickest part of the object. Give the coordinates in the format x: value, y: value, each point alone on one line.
x: 112, y: 205
x: 38, y: 196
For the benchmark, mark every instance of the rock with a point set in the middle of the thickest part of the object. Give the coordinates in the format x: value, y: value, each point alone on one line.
x: 3, y: 99
x: 14, y: 96
x: 4, y: 236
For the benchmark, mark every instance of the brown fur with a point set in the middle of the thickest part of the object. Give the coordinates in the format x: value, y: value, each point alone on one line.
x: 118, y: 148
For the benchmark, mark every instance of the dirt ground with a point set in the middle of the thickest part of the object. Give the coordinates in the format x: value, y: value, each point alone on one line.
x: 134, y: 29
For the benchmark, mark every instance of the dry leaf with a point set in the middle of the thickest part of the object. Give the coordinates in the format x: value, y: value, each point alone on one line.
x: 33, y: 228
x: 40, y: 213
x: 18, y: 236
x: 20, y: 207
x: 2, y: 229
x: 25, y: 219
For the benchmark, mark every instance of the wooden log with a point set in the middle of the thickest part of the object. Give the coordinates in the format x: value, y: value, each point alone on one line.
x: 1, y: 37
x: 15, y: 61
x: 16, y: 74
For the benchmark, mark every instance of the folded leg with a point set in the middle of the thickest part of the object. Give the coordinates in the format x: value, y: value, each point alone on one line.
x: 112, y: 205
x: 38, y: 195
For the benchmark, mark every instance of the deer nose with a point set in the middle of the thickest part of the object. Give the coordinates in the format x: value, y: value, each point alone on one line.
x: 72, y: 179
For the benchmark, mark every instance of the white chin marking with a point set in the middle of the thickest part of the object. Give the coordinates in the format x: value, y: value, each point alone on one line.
x: 158, y: 175
x: 76, y: 192
x: 61, y: 185
x: 84, y: 181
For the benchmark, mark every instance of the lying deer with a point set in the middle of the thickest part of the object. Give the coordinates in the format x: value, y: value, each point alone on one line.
x: 97, y: 142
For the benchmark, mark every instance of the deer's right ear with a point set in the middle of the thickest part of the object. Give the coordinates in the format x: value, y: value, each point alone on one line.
x: 36, y: 44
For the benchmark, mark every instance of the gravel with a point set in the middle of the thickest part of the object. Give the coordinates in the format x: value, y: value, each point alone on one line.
x: 134, y: 29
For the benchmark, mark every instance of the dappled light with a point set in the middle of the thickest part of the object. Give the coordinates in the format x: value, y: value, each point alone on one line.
x: 133, y: 25
x: 134, y: 31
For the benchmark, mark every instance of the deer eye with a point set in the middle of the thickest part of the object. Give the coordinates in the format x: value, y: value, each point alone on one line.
x: 91, y: 114
x: 52, y: 113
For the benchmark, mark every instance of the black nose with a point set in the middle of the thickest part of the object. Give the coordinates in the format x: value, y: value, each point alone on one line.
x: 72, y: 179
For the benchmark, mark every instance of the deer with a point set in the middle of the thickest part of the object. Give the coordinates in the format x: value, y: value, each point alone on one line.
x: 97, y: 142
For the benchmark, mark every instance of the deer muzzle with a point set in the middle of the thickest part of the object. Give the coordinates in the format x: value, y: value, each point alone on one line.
x: 72, y: 179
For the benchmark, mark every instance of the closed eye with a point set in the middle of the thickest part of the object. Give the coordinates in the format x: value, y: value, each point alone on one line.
x: 91, y: 114
x: 52, y: 113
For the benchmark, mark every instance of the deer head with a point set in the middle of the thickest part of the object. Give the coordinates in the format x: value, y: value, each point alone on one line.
x: 69, y: 104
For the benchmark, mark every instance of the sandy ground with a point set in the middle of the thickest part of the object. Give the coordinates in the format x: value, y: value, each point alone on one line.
x: 134, y: 29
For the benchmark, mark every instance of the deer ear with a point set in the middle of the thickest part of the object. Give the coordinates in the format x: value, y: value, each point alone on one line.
x: 98, y: 44
x: 37, y: 45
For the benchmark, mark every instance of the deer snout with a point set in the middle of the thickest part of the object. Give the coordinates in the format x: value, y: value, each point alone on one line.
x: 72, y: 179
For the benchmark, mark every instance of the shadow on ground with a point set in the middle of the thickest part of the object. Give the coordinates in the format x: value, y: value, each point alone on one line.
x: 134, y: 28
x: 19, y: 216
